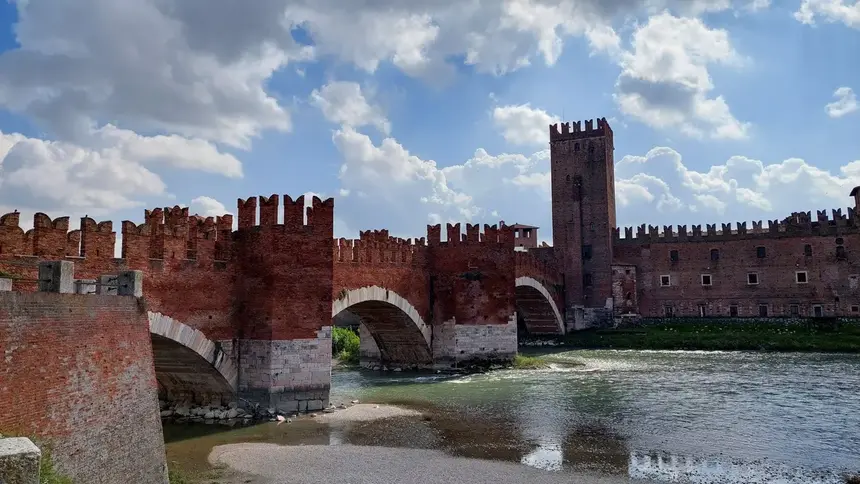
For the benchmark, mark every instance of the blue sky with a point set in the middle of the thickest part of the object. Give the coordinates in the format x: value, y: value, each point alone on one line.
x: 431, y: 112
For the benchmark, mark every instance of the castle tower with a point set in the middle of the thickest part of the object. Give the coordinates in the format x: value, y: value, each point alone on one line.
x: 583, y: 217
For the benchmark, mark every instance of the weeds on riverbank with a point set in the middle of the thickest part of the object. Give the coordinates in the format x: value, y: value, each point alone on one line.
x: 175, y: 476
x: 715, y: 335
x: 523, y: 362
x: 345, y: 345
x: 47, y: 473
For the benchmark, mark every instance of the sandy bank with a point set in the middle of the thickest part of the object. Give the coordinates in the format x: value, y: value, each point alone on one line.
x: 371, y: 465
x: 366, y: 412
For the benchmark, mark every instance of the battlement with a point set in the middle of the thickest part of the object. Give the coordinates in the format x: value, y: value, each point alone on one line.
x: 493, y: 234
x: 295, y: 214
x: 795, y: 225
x: 375, y: 248
x: 576, y: 130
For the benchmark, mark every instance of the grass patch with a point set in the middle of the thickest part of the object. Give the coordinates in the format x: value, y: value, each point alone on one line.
x: 175, y: 476
x: 47, y: 473
x: 727, y: 336
x: 345, y: 345
x: 523, y: 362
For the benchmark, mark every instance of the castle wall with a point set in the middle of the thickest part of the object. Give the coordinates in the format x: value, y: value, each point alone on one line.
x: 798, y: 266
x: 63, y: 382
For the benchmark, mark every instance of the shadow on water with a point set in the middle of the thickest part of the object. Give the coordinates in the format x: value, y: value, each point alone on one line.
x: 680, y: 417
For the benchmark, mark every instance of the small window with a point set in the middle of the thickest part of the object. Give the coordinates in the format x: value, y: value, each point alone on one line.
x: 586, y: 279
x: 807, y: 250
x: 568, y: 177
x: 760, y: 252
x: 817, y: 311
x: 576, y: 147
x: 840, y: 241
x: 586, y: 252
x: 855, y: 309
x: 800, y: 277
x: 706, y: 279
x: 715, y: 254
x: 840, y: 251
x: 669, y: 311
x: 762, y: 310
x: 733, y: 311
x: 703, y: 310
x: 752, y: 278
x: 665, y: 281
x: 627, y: 271
x: 673, y: 255
x: 794, y: 310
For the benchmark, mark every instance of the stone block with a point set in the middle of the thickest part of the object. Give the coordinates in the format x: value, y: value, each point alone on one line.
x: 85, y: 286
x: 19, y: 461
x: 5, y: 284
x: 107, y: 285
x: 314, y: 405
x: 57, y: 277
x: 130, y: 283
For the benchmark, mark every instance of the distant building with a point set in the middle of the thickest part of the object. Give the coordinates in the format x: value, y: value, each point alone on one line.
x: 525, y: 236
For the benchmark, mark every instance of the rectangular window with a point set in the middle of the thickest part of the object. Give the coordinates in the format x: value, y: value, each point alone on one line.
x: 673, y: 255
x: 800, y: 277
x: 762, y: 310
x: 855, y: 309
x: 840, y: 251
x: 752, y: 278
x: 715, y: 254
x: 702, y: 310
x: 733, y: 311
x: 760, y: 252
x: 665, y: 281
x: 586, y: 279
x: 807, y: 250
x: 586, y: 252
x: 669, y: 311
x: 817, y: 311
x: 794, y: 310
x: 706, y: 279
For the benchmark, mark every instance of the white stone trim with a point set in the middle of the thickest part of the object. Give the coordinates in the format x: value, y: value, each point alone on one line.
x: 196, y: 341
x: 533, y: 283
x: 376, y: 293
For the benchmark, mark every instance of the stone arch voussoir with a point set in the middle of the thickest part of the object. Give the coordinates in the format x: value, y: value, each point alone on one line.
x: 380, y: 294
x: 185, y: 335
x: 536, y: 285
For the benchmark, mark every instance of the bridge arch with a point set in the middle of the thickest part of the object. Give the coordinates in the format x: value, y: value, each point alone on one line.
x: 537, y: 307
x: 398, y: 330
x: 189, y: 366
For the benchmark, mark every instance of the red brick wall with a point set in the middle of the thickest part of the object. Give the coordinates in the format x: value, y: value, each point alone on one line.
x: 583, y: 208
x: 78, y: 373
x: 376, y: 259
x: 473, y: 276
x: 829, y: 277
x: 284, y: 271
x: 542, y: 268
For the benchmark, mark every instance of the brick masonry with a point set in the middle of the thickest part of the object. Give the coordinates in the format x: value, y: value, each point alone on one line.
x: 78, y: 374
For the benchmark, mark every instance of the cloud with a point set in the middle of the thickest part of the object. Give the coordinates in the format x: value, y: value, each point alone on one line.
x: 740, y: 189
x: 207, y: 207
x: 665, y: 81
x: 405, y: 192
x: 523, y: 125
x: 56, y: 176
x: 343, y: 103
x: 845, y: 103
x: 830, y: 11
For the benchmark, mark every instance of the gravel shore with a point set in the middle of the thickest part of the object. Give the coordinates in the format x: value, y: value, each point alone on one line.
x: 366, y: 412
x: 348, y: 464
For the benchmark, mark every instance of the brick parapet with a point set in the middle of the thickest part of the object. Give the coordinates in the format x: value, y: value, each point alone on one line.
x: 798, y: 224
x: 576, y: 130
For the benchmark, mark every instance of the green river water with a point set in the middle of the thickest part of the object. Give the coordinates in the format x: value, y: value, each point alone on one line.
x: 665, y: 416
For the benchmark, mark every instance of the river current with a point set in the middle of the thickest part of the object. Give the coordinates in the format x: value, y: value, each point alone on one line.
x: 660, y: 416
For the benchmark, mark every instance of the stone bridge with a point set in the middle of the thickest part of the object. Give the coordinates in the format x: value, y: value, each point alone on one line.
x: 249, y: 312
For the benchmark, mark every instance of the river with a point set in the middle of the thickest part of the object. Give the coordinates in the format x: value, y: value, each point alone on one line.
x: 664, y: 416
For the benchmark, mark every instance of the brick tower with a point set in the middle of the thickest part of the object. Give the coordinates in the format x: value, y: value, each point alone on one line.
x: 583, y: 218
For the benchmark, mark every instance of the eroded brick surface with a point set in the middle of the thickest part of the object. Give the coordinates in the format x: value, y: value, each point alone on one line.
x: 77, y: 372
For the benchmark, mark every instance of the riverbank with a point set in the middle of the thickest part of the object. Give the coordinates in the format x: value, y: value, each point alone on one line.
x: 382, y: 465
x: 723, y: 336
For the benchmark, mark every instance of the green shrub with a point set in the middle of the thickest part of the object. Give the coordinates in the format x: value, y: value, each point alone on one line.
x: 176, y: 477
x: 523, y: 362
x: 345, y: 345
x: 47, y: 473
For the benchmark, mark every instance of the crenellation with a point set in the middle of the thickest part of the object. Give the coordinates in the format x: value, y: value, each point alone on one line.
x: 453, y: 233
x: 711, y: 230
x: 73, y: 244
x: 654, y: 232
x: 269, y: 210
x: 668, y: 232
x: 247, y: 212
x: 294, y: 212
x: 682, y: 232
x: 176, y: 216
x: 574, y: 130
x: 726, y: 229
x: 473, y: 232
x: 321, y: 213
x: 742, y: 228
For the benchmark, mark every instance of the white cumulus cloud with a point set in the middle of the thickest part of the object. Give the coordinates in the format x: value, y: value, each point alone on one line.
x: 845, y: 103
x: 344, y: 103
x: 523, y: 124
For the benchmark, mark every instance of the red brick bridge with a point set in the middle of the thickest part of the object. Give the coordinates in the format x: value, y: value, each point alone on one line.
x: 250, y: 311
